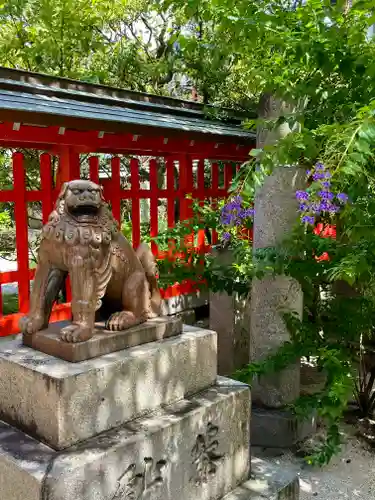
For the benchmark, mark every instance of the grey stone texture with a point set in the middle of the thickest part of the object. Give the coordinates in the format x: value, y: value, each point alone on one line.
x: 194, y: 449
x: 279, y: 428
x: 23, y: 465
x: 272, y: 108
x: 275, y: 214
x: 188, y: 317
x: 62, y: 403
x: 229, y: 318
x: 267, y: 482
x: 103, y: 341
x: 181, y: 303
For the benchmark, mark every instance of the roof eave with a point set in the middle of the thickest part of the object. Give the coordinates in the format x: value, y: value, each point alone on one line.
x: 14, y: 79
x: 77, y: 123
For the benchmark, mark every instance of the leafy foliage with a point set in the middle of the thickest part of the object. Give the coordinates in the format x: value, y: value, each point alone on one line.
x: 320, y: 58
x: 124, y: 42
x: 315, y: 55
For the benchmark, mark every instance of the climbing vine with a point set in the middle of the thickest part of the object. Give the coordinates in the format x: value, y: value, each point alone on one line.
x: 319, y: 57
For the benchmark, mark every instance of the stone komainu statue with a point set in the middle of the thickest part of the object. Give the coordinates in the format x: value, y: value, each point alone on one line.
x: 81, y: 239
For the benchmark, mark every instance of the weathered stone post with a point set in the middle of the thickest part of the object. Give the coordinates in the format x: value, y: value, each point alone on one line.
x: 229, y: 318
x: 275, y: 214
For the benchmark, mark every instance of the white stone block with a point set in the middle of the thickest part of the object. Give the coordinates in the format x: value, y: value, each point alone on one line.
x: 196, y: 449
x: 62, y: 403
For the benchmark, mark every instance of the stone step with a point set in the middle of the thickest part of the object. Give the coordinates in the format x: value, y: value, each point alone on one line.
x: 196, y: 449
x: 279, y: 428
x: 62, y: 403
x: 267, y: 482
x: 104, y: 341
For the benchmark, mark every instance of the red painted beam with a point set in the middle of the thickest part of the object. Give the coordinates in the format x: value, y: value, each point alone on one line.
x: 49, y: 138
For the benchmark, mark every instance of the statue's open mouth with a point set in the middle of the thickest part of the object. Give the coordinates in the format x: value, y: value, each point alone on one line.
x: 84, y: 212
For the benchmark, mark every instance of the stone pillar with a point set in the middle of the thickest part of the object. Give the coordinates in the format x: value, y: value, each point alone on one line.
x: 229, y: 316
x: 275, y: 214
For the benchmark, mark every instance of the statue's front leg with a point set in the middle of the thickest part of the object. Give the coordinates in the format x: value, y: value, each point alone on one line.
x: 38, y: 317
x: 83, y: 283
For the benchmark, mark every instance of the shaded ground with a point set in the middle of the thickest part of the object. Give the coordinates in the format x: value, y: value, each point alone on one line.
x: 350, y: 475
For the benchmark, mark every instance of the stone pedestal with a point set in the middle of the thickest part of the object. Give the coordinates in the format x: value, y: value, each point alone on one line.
x: 62, y: 403
x: 149, y: 422
x: 103, y: 341
x: 196, y: 448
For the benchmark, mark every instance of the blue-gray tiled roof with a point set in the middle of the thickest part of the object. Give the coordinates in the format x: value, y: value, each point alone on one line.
x: 43, y: 99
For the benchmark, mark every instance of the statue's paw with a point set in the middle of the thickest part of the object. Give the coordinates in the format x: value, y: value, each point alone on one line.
x: 76, y: 333
x: 30, y: 325
x: 123, y: 320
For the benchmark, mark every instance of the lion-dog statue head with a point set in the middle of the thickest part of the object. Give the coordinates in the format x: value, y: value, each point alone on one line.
x: 81, y: 216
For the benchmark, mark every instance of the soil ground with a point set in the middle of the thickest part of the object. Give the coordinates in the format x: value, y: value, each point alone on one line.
x: 349, y: 476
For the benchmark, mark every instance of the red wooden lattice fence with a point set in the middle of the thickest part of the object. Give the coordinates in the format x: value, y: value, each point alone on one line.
x: 69, y: 168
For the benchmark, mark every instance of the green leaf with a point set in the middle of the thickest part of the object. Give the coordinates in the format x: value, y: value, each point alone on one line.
x: 255, y: 152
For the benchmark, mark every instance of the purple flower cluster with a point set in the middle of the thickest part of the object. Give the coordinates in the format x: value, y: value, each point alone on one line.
x: 234, y: 214
x: 316, y: 203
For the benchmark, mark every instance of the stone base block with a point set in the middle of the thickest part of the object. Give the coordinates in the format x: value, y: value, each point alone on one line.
x: 187, y: 317
x: 62, y: 403
x: 196, y: 449
x: 228, y: 315
x: 278, y: 428
x: 267, y: 482
x: 103, y: 341
x: 181, y: 303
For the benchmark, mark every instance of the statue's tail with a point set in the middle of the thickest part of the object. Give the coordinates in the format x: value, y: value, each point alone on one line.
x: 148, y: 262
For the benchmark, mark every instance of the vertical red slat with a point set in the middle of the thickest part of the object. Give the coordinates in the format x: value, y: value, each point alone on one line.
x: 74, y: 173
x: 46, y: 182
x: 62, y: 174
x: 186, y: 186
x: 182, y: 186
x: 75, y: 165
x: 22, y: 239
x: 68, y: 168
x: 214, y: 189
x: 115, y: 194
x: 171, y: 192
x: 136, y: 209
x: 47, y: 193
x: 171, y: 200
x: 228, y: 175
x: 94, y: 169
x: 215, y: 178
x: 1, y: 303
x: 201, y: 196
x: 200, y: 179
x: 153, y: 204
